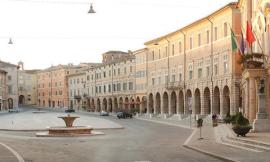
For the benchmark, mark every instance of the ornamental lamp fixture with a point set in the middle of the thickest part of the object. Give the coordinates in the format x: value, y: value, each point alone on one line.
x: 10, y: 41
x: 91, y: 10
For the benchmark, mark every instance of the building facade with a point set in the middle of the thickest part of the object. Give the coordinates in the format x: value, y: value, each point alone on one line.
x: 112, y: 84
x: 3, y: 90
x: 255, y: 77
x: 27, y: 85
x: 194, y: 70
x: 12, y: 83
x: 52, y: 86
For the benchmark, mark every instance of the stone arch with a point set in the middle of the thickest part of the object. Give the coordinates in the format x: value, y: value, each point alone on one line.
x: 206, y: 101
x: 10, y: 103
x: 115, y: 103
x: 144, y: 105
x: 197, y: 96
x: 158, y: 102
x: 110, y: 105
x: 151, y: 103
x: 121, y: 104
x: 98, y: 105
x: 216, y: 101
x: 181, y: 102
x: 165, y: 105
x: 189, y: 101
x: 126, y: 104
x: 104, y: 104
x: 21, y: 100
x: 173, y: 103
x: 226, y: 100
x: 138, y: 104
x: 92, y: 105
x: 132, y: 104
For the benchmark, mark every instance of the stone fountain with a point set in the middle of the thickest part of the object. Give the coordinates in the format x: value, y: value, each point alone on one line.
x: 69, y: 130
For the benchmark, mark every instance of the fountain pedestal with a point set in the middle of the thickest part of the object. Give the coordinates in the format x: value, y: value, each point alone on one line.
x: 69, y: 130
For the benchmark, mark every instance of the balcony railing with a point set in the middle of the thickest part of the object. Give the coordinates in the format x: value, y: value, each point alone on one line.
x: 253, y: 61
x: 175, y: 85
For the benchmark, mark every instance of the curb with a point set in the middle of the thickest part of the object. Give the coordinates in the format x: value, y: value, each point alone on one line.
x: 209, y: 153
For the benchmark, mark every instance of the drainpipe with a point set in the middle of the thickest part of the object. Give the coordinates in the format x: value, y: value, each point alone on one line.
x: 212, y: 51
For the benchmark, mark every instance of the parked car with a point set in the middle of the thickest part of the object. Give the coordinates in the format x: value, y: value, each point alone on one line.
x: 69, y: 110
x: 13, y: 110
x: 123, y: 115
x: 104, y: 113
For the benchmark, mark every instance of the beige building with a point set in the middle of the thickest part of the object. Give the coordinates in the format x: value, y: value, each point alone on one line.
x: 112, y: 84
x: 193, y: 70
x: 3, y: 90
x: 12, y: 83
x: 52, y: 86
x: 27, y: 84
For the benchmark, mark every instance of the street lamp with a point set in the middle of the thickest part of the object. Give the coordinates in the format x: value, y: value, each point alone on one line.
x: 10, y: 41
x: 91, y: 10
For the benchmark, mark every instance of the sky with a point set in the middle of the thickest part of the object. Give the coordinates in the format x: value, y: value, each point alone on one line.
x: 52, y: 32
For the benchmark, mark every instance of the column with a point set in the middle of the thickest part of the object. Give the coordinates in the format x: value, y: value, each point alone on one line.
x: 252, y: 99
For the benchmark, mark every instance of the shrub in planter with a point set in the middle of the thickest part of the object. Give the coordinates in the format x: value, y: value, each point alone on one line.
x: 227, y: 119
x: 241, y: 125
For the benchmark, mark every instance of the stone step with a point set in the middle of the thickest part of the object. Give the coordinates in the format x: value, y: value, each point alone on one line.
x: 259, y: 144
x: 243, y: 145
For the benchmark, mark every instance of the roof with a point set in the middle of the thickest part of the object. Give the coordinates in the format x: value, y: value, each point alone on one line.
x: 3, y: 64
x: 229, y: 5
x: 115, y: 52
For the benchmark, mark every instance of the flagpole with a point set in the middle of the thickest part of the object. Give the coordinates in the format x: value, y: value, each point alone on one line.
x: 235, y: 40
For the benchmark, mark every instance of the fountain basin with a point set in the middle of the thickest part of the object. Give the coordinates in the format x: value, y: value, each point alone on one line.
x: 69, y: 132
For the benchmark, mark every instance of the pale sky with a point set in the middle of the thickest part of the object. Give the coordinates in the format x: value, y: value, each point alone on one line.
x: 51, y: 32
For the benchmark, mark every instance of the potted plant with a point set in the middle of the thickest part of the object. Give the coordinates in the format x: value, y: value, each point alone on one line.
x: 227, y: 119
x: 241, y: 125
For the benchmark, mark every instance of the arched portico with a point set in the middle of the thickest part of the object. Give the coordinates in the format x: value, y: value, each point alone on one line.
x: 189, y: 101
x: 197, y: 101
x: 165, y: 105
x: 226, y: 100
x: 110, y: 105
x: 150, y: 103
x: 158, y: 104
x: 98, y: 105
x: 126, y: 104
x: 207, y: 101
x: 181, y: 102
x: 173, y: 103
x: 216, y: 100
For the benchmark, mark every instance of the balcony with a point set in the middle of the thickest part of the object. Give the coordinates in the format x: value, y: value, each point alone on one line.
x: 77, y: 97
x: 253, y: 61
x: 175, y: 85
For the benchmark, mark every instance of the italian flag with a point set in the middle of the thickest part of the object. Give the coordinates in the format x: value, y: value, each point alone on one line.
x: 233, y: 40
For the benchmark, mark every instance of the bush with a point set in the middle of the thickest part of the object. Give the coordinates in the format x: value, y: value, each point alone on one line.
x: 240, y: 125
x: 227, y: 119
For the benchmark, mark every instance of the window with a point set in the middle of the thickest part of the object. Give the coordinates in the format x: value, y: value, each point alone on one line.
x: 190, y: 68
x: 159, y: 80
x: 207, y: 37
x: 180, y: 47
x: 130, y: 86
x: 216, y: 33
x: 173, y: 49
x: 130, y: 69
x: 9, y: 78
x: 118, y: 71
x: 199, y: 40
x: 225, y: 30
x: 216, y: 69
x: 199, y: 72
x: 180, y: 77
x: 166, y: 79
x: 226, y: 68
x: 124, y: 86
x: 153, y: 81
x: 9, y: 89
x: 88, y: 77
x: 166, y: 52
x: 104, y: 88
x: 118, y: 86
x: 153, y: 56
x: 125, y: 70
x: 208, y: 71
x: 190, y: 43
x: 159, y: 54
x: 173, y: 78
x: 109, y: 88
x: 104, y: 74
